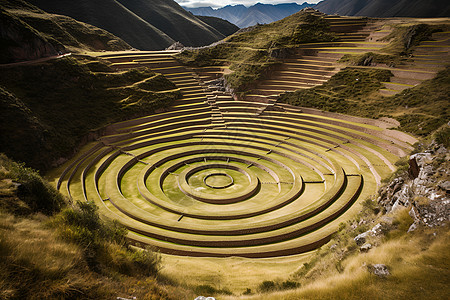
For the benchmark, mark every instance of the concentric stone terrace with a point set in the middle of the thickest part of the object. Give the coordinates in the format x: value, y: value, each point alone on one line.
x: 217, y: 177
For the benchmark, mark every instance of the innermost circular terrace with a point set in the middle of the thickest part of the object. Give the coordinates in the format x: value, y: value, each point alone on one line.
x: 244, y: 194
x: 218, y: 180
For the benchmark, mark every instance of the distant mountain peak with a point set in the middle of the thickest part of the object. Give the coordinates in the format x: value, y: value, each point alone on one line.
x: 243, y: 16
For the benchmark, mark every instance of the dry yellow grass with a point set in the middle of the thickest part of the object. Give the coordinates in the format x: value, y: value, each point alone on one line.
x: 419, y: 264
x: 234, y: 273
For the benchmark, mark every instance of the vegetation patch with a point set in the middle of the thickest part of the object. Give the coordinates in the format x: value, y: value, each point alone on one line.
x: 271, y: 286
x: 206, y: 289
x: 23, y: 191
x: 104, y: 244
x: 404, y: 38
x: 348, y: 91
x: 372, y: 59
x: 355, y: 91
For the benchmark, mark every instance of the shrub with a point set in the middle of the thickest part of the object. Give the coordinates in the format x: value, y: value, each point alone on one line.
x: 104, y: 242
x: 206, y: 289
x: 267, y: 286
x: 289, y: 285
x: 442, y: 136
x: 38, y: 194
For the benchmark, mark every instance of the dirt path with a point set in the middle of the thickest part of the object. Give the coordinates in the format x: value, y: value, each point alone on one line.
x: 35, y: 61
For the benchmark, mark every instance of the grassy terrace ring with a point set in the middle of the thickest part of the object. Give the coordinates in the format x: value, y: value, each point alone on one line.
x: 238, y: 179
x: 248, y: 183
x: 217, y: 181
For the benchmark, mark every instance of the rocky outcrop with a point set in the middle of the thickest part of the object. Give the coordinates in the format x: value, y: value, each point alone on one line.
x: 425, y: 191
x: 377, y: 230
x: 176, y: 46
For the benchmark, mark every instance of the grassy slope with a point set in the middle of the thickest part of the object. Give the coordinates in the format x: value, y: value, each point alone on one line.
x: 112, y: 16
x: 62, y: 100
x: 251, y: 54
x: 419, y: 264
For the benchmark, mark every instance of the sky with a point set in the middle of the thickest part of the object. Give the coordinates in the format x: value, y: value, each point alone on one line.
x: 222, y: 3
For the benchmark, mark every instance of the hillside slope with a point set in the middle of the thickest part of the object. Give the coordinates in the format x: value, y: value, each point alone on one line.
x: 29, y: 33
x: 223, y: 26
x: 386, y: 8
x: 172, y: 19
x: 48, y: 108
x: 112, y: 16
x: 146, y: 25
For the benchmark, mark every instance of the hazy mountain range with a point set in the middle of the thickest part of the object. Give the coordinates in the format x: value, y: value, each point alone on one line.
x: 386, y: 8
x: 243, y: 16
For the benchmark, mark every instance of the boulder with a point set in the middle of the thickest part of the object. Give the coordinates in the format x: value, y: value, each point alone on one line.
x: 360, y: 239
x: 377, y: 230
x: 412, y: 227
x: 380, y: 270
x: 280, y: 53
x: 365, y: 248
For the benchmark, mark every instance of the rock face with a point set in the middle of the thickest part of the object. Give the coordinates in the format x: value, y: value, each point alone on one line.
x: 426, y: 190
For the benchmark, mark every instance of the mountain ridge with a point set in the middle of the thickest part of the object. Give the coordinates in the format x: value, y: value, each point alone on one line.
x: 29, y: 33
x: 385, y: 8
x: 145, y: 25
x: 243, y: 16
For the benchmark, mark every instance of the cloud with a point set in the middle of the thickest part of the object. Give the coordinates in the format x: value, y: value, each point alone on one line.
x: 222, y: 3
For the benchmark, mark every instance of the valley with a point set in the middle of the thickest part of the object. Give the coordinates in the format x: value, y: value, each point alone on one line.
x: 246, y: 169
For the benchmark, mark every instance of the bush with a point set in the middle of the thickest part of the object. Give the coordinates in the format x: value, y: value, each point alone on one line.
x: 289, y: 285
x: 38, y: 194
x: 270, y: 286
x: 442, y: 136
x: 104, y: 243
x: 206, y: 289
x: 267, y: 286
